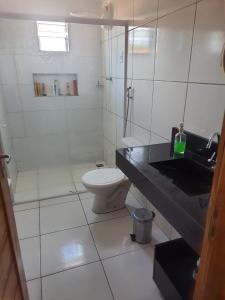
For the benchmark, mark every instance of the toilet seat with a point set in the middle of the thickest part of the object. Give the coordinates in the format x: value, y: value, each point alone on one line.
x: 103, y: 177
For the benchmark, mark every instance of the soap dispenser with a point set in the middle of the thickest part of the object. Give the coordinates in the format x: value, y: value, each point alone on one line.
x: 180, y: 141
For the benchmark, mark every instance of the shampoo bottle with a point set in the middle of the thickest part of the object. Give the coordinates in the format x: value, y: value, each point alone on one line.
x: 180, y: 141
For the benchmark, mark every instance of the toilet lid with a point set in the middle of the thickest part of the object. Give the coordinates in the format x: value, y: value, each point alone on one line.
x: 103, y: 177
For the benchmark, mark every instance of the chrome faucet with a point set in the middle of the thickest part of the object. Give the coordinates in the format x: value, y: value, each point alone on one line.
x: 209, y: 144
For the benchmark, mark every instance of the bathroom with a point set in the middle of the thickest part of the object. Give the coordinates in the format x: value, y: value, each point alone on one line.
x: 77, y: 82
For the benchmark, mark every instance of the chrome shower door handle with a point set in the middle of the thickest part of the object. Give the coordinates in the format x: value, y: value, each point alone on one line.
x: 6, y: 157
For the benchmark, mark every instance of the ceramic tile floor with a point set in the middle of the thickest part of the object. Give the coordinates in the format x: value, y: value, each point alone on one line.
x: 71, y: 253
x: 50, y: 182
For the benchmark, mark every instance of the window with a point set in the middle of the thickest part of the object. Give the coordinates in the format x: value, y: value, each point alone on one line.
x: 53, y: 36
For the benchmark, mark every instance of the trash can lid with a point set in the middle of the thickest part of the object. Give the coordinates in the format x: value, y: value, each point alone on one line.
x: 143, y: 215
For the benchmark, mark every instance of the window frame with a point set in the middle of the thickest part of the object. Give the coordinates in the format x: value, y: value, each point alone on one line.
x: 67, y: 39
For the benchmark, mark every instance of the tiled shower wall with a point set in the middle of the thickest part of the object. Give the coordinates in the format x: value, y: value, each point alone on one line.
x: 179, y: 79
x: 51, y: 131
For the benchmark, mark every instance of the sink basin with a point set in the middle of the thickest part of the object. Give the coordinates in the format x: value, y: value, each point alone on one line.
x: 192, y: 178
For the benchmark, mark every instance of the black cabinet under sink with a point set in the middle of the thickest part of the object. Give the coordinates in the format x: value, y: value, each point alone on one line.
x: 174, y: 264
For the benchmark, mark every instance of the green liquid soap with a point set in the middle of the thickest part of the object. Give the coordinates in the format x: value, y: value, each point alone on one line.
x: 179, y: 147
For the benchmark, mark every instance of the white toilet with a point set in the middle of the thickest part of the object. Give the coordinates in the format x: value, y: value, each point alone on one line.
x: 109, y: 185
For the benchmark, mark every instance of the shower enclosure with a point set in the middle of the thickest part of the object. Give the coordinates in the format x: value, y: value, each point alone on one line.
x: 52, y: 104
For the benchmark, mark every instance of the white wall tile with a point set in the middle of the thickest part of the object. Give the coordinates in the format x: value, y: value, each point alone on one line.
x: 140, y: 109
x: 142, y: 64
x: 88, y: 46
x: 119, y: 131
x: 120, y: 96
x: 144, y: 11
x: 110, y: 93
x: 208, y: 42
x: 110, y: 127
x: 86, y: 99
x: 120, y: 62
x: 11, y: 98
x: 140, y: 134
x: 41, y: 150
x: 168, y: 107
x: 123, y: 10
x: 205, y: 109
x: 168, y: 6
x: 82, y: 143
x: 7, y: 70
x: 16, y: 125
x: 109, y: 153
x: 44, y: 122
x: 84, y: 120
x: 155, y: 139
x: 174, y: 45
x: 31, y: 103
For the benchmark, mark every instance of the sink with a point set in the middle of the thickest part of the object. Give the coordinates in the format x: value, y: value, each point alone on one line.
x: 191, y: 177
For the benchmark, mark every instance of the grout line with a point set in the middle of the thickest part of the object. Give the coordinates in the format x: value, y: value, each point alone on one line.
x: 48, y: 233
x: 190, y: 60
x: 149, y: 245
x: 110, y: 288
x: 40, y: 246
x: 70, y: 228
x: 163, y: 15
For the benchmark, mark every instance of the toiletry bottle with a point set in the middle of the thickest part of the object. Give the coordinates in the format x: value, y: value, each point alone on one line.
x: 56, y: 87
x: 180, y: 141
x: 68, y: 89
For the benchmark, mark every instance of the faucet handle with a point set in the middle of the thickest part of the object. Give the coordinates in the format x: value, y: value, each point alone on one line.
x: 209, y: 144
x: 212, y: 157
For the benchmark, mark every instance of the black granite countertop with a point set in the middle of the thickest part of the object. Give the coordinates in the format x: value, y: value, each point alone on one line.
x: 185, y: 212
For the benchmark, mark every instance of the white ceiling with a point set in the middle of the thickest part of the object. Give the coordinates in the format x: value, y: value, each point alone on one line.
x: 51, y: 7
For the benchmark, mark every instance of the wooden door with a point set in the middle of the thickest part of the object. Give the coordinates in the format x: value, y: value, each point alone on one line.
x: 210, y: 283
x: 12, y: 277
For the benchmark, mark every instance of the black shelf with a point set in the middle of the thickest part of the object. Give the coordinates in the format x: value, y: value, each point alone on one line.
x: 174, y: 264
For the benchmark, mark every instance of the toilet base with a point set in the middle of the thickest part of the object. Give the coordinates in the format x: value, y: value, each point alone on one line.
x: 115, y: 200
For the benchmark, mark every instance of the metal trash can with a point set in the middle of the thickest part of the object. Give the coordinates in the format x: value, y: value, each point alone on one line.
x: 142, y: 225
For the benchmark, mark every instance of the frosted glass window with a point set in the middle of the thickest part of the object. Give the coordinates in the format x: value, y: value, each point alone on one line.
x: 53, y: 36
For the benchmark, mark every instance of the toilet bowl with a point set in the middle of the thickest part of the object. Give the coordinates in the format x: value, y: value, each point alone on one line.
x: 110, y: 188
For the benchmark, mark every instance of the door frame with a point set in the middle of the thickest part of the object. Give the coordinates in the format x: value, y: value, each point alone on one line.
x: 6, y: 198
x: 210, y: 283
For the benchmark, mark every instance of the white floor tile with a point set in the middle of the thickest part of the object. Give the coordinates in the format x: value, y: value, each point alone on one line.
x: 130, y: 275
x: 67, y: 249
x: 34, y: 289
x: 26, y: 196
x: 80, y: 187
x: 26, y: 183
x: 82, y: 283
x: 61, y: 216
x: 93, y: 218
x: 57, y: 190
x: 27, y: 173
x: 26, y: 206
x: 47, y: 179
x: 157, y: 235
x: 113, y: 237
x: 86, y: 195
x: 27, y: 223
x: 59, y: 200
x: 61, y: 170
x: 30, y: 251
